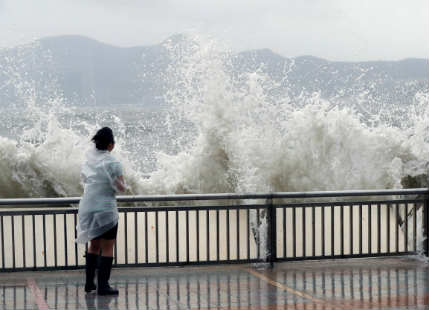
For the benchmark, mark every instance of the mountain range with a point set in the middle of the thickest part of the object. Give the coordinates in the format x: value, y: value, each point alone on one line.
x: 86, y: 72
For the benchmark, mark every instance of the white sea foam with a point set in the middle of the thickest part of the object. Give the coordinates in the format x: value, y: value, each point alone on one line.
x: 248, y: 141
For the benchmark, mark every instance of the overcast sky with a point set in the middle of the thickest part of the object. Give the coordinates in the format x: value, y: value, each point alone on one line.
x: 332, y: 29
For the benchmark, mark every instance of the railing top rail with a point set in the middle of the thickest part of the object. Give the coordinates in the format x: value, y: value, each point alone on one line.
x: 222, y: 196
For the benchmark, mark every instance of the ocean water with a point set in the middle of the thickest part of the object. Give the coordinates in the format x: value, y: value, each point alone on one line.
x: 217, y: 132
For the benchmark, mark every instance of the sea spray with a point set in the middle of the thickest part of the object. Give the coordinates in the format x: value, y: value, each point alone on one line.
x: 46, y: 141
x: 246, y: 141
x: 227, y: 132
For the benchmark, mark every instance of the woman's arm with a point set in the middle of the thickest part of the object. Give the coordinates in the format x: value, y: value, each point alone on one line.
x: 120, y: 184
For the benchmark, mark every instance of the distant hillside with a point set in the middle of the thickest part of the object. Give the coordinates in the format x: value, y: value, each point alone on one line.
x: 380, y: 81
x: 89, y: 72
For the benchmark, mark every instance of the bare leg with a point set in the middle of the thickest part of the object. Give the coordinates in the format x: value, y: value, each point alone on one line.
x: 107, y: 247
x: 94, y: 247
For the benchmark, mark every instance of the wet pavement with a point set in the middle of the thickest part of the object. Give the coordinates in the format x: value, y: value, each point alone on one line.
x: 379, y: 283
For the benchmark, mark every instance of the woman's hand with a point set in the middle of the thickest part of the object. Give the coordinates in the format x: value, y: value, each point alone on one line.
x: 120, y: 184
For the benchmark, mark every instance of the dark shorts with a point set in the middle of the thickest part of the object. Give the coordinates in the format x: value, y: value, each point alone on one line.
x: 109, y: 235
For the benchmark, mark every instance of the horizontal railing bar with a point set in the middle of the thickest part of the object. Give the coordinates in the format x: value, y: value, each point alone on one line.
x: 196, y: 263
x: 192, y: 208
x: 337, y: 256
x: 39, y: 201
x: 37, y: 212
x: 136, y: 209
x: 222, y: 196
x: 347, y: 203
x: 352, y: 193
x: 163, y: 264
x: 46, y: 208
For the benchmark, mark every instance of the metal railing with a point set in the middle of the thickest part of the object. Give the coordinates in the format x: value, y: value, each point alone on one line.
x: 39, y: 234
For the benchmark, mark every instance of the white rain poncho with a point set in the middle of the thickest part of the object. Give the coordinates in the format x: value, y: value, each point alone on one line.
x: 98, y: 212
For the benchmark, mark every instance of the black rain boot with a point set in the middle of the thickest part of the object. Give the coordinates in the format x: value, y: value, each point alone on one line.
x: 104, y: 276
x: 91, y: 265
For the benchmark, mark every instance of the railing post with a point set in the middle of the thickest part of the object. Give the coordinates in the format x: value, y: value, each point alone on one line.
x: 426, y: 225
x: 272, y: 232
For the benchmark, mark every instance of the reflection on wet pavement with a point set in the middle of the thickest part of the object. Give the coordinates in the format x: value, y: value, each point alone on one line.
x: 383, y: 283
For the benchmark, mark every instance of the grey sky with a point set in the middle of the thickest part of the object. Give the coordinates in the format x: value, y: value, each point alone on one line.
x: 333, y: 29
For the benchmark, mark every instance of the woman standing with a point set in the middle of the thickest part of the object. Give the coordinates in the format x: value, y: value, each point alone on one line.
x: 98, y: 214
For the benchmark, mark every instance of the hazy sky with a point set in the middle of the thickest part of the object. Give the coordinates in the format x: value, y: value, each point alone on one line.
x: 332, y: 29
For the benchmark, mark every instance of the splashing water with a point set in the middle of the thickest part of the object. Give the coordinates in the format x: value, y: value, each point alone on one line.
x: 226, y: 132
x: 246, y: 140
